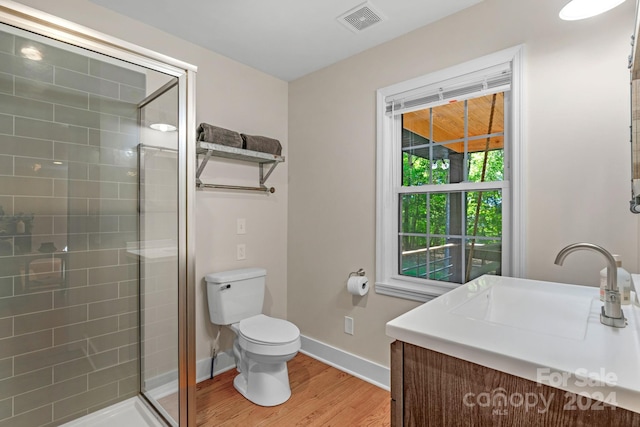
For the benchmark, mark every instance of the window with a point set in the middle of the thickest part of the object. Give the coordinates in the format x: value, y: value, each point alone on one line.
x: 448, y: 178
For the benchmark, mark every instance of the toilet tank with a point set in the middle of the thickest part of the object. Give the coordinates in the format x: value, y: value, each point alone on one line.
x: 235, y: 295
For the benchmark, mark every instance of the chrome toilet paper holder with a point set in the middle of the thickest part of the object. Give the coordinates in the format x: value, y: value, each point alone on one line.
x: 360, y: 272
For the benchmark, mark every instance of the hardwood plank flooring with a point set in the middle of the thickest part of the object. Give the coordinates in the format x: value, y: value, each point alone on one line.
x: 320, y: 396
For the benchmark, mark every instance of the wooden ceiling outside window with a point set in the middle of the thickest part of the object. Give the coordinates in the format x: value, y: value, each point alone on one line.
x: 448, y: 123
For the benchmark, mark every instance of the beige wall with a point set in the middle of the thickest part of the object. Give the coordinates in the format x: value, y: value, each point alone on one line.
x: 576, y: 104
x: 577, y: 156
x: 237, y: 97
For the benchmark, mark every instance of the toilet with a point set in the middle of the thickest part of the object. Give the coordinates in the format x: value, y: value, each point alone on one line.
x: 263, y: 344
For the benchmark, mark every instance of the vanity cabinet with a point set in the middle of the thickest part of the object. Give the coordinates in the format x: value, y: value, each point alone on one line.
x: 433, y: 389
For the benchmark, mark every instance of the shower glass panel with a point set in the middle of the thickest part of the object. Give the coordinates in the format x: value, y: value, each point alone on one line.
x: 88, y: 232
x: 158, y: 179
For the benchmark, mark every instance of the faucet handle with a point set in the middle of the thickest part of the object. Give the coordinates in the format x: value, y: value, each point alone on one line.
x: 611, y: 313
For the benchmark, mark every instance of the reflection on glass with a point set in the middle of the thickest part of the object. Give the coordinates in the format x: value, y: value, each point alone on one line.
x: 635, y: 134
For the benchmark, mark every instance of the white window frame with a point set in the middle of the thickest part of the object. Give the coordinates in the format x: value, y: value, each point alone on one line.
x: 388, y: 281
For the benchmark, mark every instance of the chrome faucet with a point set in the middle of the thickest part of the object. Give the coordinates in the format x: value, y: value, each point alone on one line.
x: 611, y: 313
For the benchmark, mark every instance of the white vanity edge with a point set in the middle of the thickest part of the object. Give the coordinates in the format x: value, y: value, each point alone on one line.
x: 516, y: 352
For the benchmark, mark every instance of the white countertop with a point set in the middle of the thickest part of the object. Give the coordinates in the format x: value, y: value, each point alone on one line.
x: 566, y: 339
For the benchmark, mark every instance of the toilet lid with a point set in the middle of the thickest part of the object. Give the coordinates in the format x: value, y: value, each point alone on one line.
x: 265, y: 329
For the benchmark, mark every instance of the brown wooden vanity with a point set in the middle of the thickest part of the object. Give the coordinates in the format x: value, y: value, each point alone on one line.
x: 433, y: 389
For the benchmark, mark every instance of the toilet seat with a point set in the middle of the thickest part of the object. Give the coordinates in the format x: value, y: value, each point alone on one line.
x: 266, y: 335
x: 267, y: 330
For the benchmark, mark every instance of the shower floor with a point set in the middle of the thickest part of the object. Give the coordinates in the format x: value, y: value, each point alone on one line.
x: 129, y: 413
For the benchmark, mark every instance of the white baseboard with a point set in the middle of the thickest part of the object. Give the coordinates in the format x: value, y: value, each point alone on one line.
x: 167, y: 383
x: 224, y: 362
x: 364, y: 369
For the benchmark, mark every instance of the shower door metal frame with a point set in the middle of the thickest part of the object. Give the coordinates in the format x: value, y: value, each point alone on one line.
x: 33, y: 20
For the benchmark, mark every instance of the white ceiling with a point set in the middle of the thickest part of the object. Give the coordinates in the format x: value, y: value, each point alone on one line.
x: 284, y: 38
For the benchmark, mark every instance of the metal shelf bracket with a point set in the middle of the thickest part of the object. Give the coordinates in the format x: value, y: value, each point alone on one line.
x: 208, y: 150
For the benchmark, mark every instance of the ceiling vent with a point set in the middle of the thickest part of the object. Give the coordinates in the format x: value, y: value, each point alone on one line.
x: 361, y: 17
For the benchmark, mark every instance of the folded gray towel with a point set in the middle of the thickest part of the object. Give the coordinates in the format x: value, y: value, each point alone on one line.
x: 218, y: 135
x: 262, y: 144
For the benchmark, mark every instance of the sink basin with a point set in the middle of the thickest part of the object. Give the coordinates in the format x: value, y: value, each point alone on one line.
x: 531, y: 328
x: 539, y: 309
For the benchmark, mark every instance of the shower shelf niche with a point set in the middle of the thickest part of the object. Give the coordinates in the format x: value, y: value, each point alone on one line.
x: 208, y: 150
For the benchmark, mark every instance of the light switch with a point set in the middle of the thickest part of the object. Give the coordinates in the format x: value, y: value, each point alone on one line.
x: 241, y: 226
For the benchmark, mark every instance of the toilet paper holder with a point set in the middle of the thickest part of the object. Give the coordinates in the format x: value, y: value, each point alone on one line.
x: 360, y: 272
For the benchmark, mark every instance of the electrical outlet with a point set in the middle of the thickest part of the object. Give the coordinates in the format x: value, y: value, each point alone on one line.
x: 348, y: 325
x: 241, y: 226
x: 241, y: 251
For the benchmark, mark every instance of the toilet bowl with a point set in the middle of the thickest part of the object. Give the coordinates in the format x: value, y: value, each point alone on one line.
x: 263, y: 344
x: 262, y: 348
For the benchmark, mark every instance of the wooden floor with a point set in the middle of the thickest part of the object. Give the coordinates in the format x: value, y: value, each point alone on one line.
x: 320, y: 396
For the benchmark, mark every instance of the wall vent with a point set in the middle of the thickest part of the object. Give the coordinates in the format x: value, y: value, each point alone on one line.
x: 361, y: 17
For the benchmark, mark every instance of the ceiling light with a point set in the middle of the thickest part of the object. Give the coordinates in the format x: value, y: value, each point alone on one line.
x: 32, y: 53
x: 582, y: 9
x: 163, y: 127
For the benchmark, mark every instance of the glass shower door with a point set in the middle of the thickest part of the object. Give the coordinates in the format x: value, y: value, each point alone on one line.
x: 158, y: 247
x: 89, y: 246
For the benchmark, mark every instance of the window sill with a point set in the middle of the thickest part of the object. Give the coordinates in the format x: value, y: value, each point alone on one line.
x: 413, y: 289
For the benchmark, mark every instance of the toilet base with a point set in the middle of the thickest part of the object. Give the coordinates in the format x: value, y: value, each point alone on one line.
x: 264, y: 384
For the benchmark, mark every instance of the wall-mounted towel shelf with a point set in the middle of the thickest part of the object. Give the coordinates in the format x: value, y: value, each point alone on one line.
x: 208, y: 150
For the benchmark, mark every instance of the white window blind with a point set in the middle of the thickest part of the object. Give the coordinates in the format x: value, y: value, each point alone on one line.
x: 480, y: 83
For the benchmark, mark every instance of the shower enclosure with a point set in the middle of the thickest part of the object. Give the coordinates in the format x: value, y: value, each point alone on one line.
x: 96, y: 190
